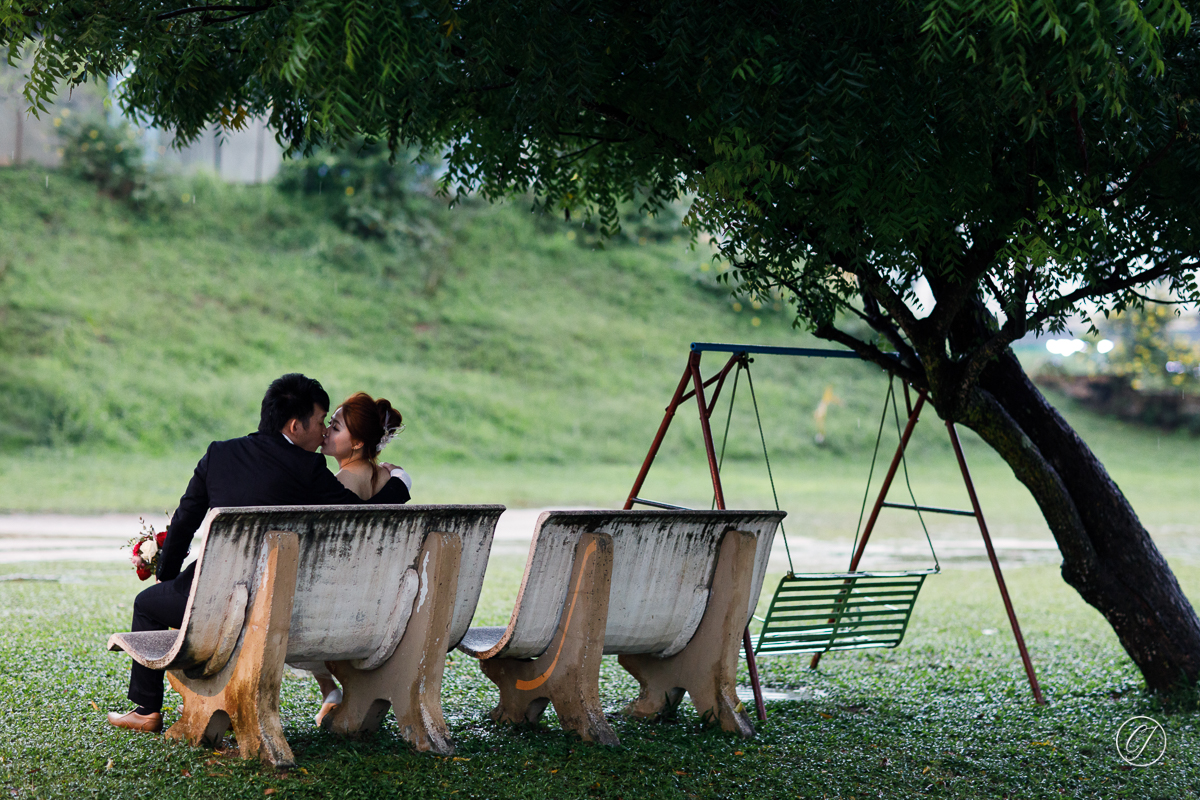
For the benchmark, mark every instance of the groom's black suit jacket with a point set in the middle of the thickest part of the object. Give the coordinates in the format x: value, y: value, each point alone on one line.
x: 262, y: 469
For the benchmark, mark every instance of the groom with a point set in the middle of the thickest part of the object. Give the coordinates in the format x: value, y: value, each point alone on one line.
x: 276, y: 466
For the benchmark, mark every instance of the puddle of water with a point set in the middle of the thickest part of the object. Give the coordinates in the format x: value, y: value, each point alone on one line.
x: 746, y: 694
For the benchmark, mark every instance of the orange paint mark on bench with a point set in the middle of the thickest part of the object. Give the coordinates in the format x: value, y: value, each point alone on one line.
x: 539, y: 680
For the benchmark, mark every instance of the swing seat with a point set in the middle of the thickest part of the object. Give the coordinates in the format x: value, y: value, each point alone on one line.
x: 819, y: 612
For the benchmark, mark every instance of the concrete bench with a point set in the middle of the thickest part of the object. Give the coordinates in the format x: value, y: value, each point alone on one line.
x: 381, y: 592
x: 670, y: 592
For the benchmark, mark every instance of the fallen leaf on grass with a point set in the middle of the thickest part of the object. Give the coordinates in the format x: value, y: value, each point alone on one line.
x: 680, y: 772
x: 738, y: 753
x: 553, y: 771
x: 460, y: 758
x: 94, y: 706
x: 109, y: 765
x: 269, y: 791
x: 185, y: 773
x: 824, y: 715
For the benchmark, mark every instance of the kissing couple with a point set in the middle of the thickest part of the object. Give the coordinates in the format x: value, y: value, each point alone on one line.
x: 277, y: 465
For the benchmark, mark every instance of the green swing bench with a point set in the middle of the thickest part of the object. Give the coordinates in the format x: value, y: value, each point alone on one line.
x: 817, y: 613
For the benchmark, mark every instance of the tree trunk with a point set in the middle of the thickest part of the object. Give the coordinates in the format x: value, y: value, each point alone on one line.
x: 1108, y: 556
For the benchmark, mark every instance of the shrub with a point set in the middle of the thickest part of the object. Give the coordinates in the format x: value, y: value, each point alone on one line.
x: 366, y: 193
x: 109, y: 156
x: 1146, y: 353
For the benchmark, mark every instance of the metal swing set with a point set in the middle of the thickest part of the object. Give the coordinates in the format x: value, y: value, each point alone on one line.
x: 819, y: 612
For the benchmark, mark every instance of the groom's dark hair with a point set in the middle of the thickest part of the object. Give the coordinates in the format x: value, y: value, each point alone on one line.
x: 290, y: 397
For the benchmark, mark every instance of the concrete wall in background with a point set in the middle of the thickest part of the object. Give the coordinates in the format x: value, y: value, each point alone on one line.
x: 247, y: 156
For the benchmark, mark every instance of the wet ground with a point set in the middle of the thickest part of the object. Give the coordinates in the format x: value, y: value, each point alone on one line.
x: 66, y: 537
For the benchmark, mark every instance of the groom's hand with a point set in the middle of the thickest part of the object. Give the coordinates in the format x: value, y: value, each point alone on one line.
x: 389, y: 467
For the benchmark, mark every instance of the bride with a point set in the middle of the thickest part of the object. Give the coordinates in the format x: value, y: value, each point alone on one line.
x: 361, y: 427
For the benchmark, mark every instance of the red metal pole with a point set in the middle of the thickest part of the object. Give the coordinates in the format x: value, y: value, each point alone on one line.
x: 658, y: 437
x: 711, y: 451
x: 991, y: 551
x: 883, y: 492
x: 752, y: 668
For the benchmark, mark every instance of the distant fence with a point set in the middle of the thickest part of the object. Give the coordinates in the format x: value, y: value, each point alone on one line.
x: 248, y: 156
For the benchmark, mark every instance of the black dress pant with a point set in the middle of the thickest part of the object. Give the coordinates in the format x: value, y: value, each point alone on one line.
x: 156, y: 609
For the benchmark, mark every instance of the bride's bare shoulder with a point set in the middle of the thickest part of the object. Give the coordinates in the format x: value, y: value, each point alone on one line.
x: 360, y: 484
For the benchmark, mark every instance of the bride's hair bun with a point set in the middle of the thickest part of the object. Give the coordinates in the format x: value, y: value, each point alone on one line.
x: 370, y: 421
x: 389, y: 418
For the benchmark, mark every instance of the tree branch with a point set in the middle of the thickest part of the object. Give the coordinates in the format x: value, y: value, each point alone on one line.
x: 906, y: 359
x: 884, y: 295
x: 238, y: 12
x: 1147, y: 299
x: 1109, y: 285
x: 1153, y: 160
x: 1081, y: 140
x: 871, y: 353
x: 880, y: 322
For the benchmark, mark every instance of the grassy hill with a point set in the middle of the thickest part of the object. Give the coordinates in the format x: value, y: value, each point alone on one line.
x: 531, y: 366
x: 506, y: 339
x: 502, y: 340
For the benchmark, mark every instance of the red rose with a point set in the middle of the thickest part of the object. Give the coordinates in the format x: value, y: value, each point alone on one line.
x: 160, y: 537
x: 143, y: 572
x: 137, y: 551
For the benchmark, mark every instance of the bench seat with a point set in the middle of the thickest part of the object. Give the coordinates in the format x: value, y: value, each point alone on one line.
x: 668, y: 591
x: 381, y: 592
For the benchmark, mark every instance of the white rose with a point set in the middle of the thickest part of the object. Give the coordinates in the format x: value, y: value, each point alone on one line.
x: 148, y: 550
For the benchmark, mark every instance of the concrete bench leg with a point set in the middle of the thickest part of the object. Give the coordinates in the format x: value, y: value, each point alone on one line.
x: 245, y: 693
x: 568, y: 673
x: 410, y: 681
x: 707, y: 667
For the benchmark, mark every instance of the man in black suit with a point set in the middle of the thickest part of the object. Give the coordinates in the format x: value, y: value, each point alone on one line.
x: 276, y: 466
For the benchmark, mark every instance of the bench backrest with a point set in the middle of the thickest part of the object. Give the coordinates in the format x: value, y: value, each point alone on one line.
x: 352, y: 564
x: 663, y: 565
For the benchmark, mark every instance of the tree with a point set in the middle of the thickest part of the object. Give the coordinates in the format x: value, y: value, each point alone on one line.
x: 1028, y: 159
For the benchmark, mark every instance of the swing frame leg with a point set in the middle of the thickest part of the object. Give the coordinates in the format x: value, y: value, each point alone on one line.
x: 913, y: 416
x: 692, y: 373
x: 991, y: 551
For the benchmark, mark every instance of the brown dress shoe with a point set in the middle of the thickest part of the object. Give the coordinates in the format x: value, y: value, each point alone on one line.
x: 147, y: 723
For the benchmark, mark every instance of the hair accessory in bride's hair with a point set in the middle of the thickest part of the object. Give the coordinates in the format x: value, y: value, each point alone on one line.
x: 387, y: 438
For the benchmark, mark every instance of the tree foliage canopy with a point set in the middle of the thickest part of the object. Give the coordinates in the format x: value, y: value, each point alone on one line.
x: 1026, y: 159
x: 1035, y: 155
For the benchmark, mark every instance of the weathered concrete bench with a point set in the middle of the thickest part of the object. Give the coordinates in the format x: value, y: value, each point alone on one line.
x: 381, y: 592
x: 668, y: 591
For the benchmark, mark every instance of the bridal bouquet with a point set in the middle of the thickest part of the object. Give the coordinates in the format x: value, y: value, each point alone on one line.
x: 146, y: 546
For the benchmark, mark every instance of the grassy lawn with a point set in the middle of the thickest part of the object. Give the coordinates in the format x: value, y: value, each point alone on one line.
x: 947, y: 714
x: 821, y: 489
x: 532, y: 370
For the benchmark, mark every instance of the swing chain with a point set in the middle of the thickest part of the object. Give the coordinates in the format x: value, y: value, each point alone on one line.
x: 874, y: 457
x: 937, y: 567
x: 762, y: 437
x: 889, y: 398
